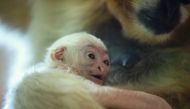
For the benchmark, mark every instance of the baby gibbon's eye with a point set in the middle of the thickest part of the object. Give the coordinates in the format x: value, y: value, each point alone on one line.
x: 107, y: 62
x: 91, y: 56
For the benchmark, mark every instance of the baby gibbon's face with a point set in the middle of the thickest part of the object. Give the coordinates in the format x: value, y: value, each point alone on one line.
x: 82, y: 52
x: 94, y: 63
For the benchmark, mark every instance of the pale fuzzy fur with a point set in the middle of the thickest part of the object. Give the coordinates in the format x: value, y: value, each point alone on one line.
x: 70, y: 41
x: 53, y: 90
x: 47, y: 86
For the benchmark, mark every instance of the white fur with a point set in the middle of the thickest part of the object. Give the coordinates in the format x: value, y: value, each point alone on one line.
x: 56, y: 89
x: 74, y: 39
x: 45, y: 86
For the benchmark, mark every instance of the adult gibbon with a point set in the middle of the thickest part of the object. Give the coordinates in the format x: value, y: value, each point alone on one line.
x: 148, y: 40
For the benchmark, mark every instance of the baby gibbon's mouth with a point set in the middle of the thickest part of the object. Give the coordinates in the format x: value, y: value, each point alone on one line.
x: 97, y: 78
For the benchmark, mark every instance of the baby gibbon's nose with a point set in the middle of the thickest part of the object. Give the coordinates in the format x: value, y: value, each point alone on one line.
x: 101, y: 69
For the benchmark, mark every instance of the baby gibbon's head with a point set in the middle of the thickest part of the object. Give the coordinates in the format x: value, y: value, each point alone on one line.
x: 83, y: 52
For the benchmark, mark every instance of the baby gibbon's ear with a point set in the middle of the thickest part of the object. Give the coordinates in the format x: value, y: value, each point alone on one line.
x: 58, y: 54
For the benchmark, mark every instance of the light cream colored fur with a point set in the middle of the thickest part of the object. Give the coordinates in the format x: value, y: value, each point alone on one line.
x: 56, y: 89
x: 50, y: 85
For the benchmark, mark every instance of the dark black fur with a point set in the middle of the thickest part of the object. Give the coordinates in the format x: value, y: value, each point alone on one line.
x: 161, y: 19
x: 126, y: 54
x: 184, y: 1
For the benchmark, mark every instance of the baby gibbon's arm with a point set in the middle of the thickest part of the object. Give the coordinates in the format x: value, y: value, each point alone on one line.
x: 128, y: 99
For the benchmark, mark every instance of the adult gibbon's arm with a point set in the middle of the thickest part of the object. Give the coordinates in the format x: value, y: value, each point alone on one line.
x: 128, y: 99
